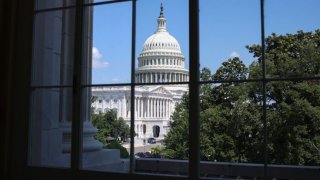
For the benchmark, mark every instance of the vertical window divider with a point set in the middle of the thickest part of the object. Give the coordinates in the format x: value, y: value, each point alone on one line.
x: 132, y: 106
x: 264, y: 98
x: 76, y: 143
x: 194, y: 109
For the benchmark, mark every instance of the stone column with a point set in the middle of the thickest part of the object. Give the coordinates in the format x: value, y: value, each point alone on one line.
x: 147, y: 77
x: 141, y: 77
x: 154, y: 107
x: 142, y: 107
x: 129, y: 108
x: 158, y: 77
x: 140, y: 104
x: 169, y: 108
x: 167, y: 79
x: 136, y: 107
x: 124, y: 106
x: 165, y: 108
x: 158, y: 108
x: 148, y: 106
x: 162, y: 108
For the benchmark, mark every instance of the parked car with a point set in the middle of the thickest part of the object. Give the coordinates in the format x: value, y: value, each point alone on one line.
x: 151, y: 140
x: 147, y: 155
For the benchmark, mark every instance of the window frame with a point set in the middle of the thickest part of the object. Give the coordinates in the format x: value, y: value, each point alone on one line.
x: 194, y: 83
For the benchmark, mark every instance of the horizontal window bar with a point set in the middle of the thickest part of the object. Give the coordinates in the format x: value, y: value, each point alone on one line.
x: 261, y: 80
x: 51, y: 86
x: 106, y: 2
x: 54, y: 9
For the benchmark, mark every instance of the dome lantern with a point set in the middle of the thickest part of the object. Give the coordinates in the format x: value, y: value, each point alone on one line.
x: 161, y: 21
x: 161, y: 59
x: 161, y: 40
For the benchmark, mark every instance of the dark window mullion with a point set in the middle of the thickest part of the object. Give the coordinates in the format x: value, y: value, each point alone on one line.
x: 264, y: 84
x: 77, y: 90
x: 194, y: 124
x: 133, y: 49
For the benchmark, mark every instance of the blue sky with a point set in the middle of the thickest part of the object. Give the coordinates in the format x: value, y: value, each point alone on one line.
x: 226, y: 26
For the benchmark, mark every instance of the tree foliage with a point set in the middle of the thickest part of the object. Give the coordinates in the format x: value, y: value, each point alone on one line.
x: 116, y: 145
x: 110, y: 127
x: 231, y: 122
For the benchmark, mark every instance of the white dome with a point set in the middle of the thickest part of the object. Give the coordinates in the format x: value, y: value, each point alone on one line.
x: 161, y: 40
x: 161, y: 59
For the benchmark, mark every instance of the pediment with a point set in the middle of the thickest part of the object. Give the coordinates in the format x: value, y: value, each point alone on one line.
x: 160, y: 90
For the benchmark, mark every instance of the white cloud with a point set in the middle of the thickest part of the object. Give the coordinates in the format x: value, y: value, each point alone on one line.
x: 115, y: 79
x: 234, y: 54
x: 97, y: 59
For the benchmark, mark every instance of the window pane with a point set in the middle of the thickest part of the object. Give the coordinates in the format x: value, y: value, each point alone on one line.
x: 294, y: 123
x: 292, y: 38
x: 50, y: 127
x: 52, y: 62
x: 231, y: 130
x: 107, y: 44
x: 161, y: 127
x: 226, y: 28
x: 45, y: 4
x: 162, y: 45
x: 106, y: 128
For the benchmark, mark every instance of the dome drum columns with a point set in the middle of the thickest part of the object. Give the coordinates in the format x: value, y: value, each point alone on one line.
x: 161, y: 77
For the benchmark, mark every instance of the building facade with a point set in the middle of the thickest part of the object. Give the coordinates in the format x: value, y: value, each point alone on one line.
x: 161, y: 61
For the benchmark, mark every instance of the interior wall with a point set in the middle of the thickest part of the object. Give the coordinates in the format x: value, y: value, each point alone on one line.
x: 15, y: 37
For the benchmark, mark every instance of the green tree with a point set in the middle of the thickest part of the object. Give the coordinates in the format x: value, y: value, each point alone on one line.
x: 290, y: 55
x: 116, y: 145
x: 227, y: 114
x: 230, y: 123
x: 230, y: 117
x: 293, y: 106
x: 110, y: 127
x: 176, y: 141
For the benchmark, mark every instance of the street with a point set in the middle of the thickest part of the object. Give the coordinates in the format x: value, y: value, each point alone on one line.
x: 140, y: 147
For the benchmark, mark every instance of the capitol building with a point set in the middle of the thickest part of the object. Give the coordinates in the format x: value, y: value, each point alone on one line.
x: 161, y: 61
